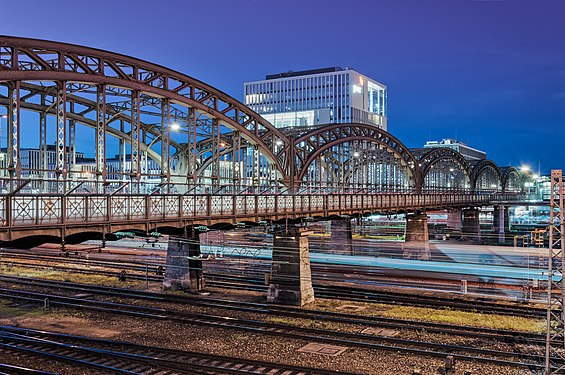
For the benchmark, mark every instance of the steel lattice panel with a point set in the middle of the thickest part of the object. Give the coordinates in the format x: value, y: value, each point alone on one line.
x: 24, y: 210
x: 240, y: 205
x: 261, y: 204
x: 188, y: 205
x: 317, y: 202
x: 201, y: 204
x: 76, y: 209
x: 270, y: 204
x: 97, y: 208
x: 171, y: 206
x: 156, y: 207
x: 118, y: 208
x: 49, y: 210
x: 249, y: 204
x: 216, y: 205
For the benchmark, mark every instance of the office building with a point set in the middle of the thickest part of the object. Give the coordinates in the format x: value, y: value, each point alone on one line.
x: 468, y: 153
x: 316, y: 97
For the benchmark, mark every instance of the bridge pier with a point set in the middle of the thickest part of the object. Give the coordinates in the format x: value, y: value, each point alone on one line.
x: 454, y: 219
x: 471, y: 227
x: 183, y: 273
x: 416, y: 241
x: 501, y: 222
x: 341, y: 236
x: 291, y: 277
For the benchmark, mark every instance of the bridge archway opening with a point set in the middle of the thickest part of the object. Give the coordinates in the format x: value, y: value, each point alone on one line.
x: 487, y: 177
x: 512, y: 180
x: 355, y: 156
x: 444, y: 169
x: 359, y: 165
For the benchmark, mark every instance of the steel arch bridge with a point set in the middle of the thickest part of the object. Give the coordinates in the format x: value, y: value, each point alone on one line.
x: 186, y: 152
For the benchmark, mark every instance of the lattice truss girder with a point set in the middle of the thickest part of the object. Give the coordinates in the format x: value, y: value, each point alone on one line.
x: 219, y: 142
x: 358, y: 164
x: 555, y: 332
x: 44, y: 60
x: 338, y: 142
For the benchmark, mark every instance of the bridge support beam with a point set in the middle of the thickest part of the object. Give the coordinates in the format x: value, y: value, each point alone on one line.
x: 454, y: 219
x: 183, y: 273
x: 501, y: 222
x: 341, y: 236
x: 291, y: 277
x: 416, y: 243
x: 471, y: 227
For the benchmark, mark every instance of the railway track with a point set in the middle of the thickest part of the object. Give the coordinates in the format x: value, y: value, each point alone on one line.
x: 270, y: 309
x: 142, y: 273
x: 387, y: 297
x: 350, y: 339
x: 129, y: 358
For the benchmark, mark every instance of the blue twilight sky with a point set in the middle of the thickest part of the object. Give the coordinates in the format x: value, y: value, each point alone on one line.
x: 489, y: 72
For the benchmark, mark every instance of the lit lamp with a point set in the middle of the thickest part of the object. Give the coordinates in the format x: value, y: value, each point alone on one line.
x: 175, y: 126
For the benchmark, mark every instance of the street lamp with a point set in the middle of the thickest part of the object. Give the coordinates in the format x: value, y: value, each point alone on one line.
x: 525, y: 168
x: 175, y: 126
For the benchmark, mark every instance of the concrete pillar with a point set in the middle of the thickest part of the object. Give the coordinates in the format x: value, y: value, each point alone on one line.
x: 341, y: 236
x: 501, y: 222
x: 182, y: 273
x: 416, y: 243
x: 454, y: 219
x: 471, y: 227
x: 291, y: 277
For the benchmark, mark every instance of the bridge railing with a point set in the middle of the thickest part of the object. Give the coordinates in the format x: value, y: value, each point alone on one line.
x: 47, y: 210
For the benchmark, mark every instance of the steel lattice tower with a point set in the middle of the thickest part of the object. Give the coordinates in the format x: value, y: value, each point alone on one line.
x: 555, y: 332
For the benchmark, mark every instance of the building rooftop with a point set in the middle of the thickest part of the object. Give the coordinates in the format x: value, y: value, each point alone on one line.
x: 291, y: 73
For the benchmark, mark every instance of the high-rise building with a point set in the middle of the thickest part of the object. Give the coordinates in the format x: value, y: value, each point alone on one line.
x: 315, y: 97
x: 468, y: 153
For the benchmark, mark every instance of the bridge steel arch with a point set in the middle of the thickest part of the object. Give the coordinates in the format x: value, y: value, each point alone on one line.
x: 72, y: 68
x: 486, y: 176
x: 511, y: 179
x: 310, y: 145
x: 86, y: 106
x: 455, y: 163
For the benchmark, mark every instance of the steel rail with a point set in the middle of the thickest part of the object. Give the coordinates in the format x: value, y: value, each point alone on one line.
x: 495, y: 334
x: 282, y: 330
x: 188, y: 359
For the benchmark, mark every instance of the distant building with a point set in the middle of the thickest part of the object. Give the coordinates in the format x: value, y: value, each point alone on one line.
x: 320, y: 96
x: 30, y: 159
x: 468, y: 153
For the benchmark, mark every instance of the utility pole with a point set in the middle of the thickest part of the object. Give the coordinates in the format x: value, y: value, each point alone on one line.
x: 555, y: 331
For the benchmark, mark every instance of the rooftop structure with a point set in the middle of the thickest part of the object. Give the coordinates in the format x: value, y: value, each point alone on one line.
x: 319, y: 96
x: 468, y: 153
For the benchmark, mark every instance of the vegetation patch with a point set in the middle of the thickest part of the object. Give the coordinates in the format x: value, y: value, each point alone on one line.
x: 305, y: 323
x: 447, y: 316
x: 51, y: 274
x: 7, y: 310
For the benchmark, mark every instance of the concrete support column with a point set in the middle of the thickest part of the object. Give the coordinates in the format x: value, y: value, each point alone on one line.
x: 454, y: 219
x: 501, y: 222
x: 416, y: 243
x: 341, y: 236
x: 471, y: 227
x: 183, y: 273
x: 291, y: 277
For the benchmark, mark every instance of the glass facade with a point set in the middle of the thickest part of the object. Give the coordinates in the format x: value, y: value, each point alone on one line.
x: 315, y: 97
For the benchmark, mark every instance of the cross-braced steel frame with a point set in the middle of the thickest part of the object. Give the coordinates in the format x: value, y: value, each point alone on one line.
x: 555, y: 332
x: 175, y: 134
